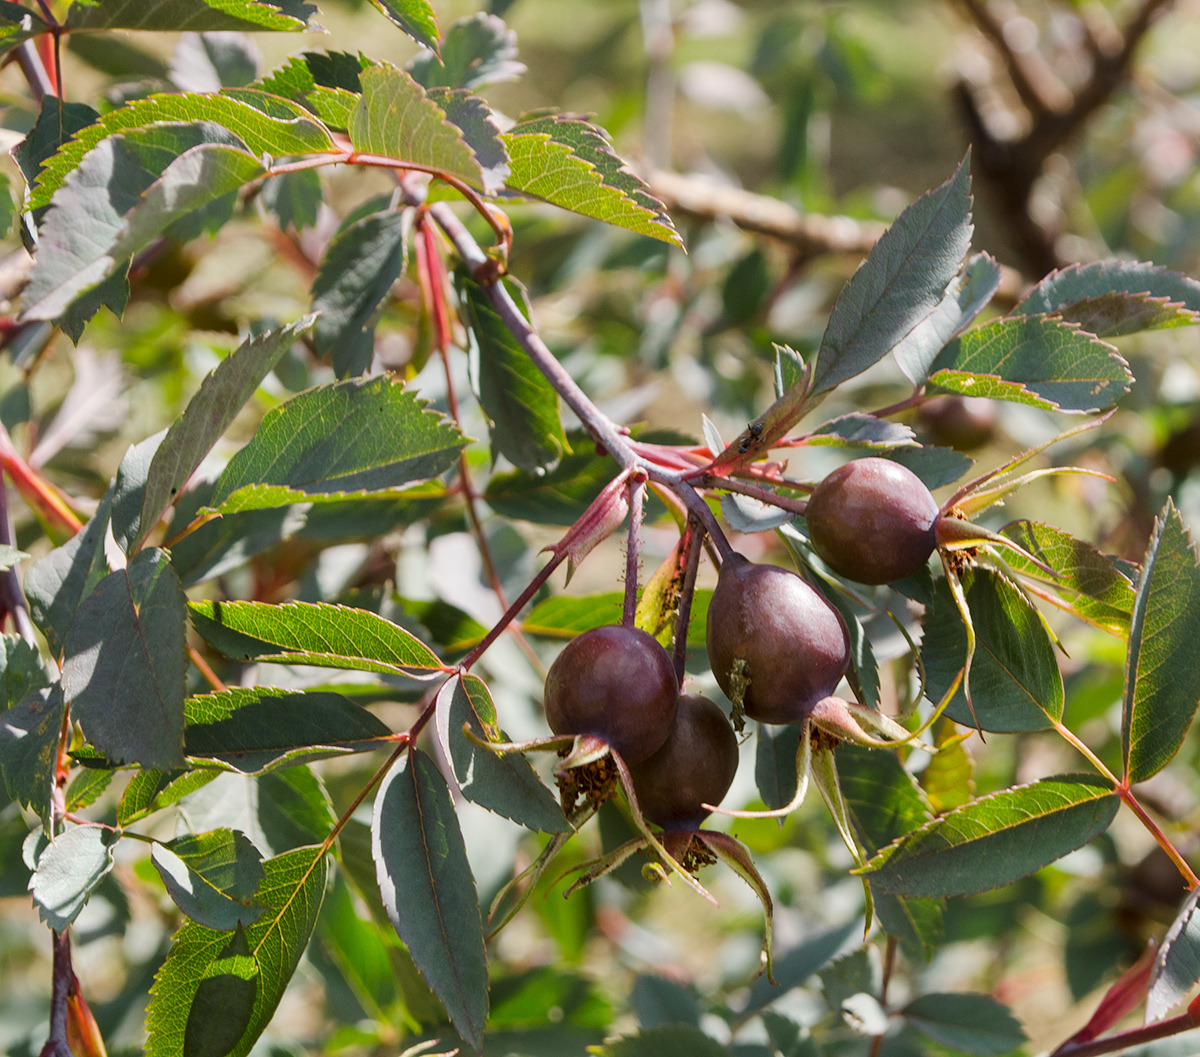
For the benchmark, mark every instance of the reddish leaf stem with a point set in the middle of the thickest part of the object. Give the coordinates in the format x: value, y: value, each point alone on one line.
x: 12, y: 598
x: 1164, y: 842
x: 693, y: 545
x: 62, y: 977
x: 637, y: 493
x: 202, y: 667
x: 1124, y: 1039
x: 534, y: 585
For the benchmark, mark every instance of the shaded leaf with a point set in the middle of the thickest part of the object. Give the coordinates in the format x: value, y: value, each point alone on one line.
x: 149, y: 790
x: 360, y: 265
x: 517, y: 398
x: 174, y: 15
x: 971, y: 1023
x: 256, y: 729
x: 325, y: 83
x: 316, y: 633
x: 291, y: 891
x: 1111, y: 298
x: 505, y: 784
x: 568, y: 163
x: 29, y: 735
x: 797, y: 965
x: 129, y: 489
x: 57, y: 122
x: 22, y: 670
x: 369, y: 435
x: 935, y: 466
x: 1177, y: 963
x: 477, y: 50
x: 212, y: 877
x: 18, y: 24
x: 775, y: 772
x: 1015, y: 681
x: 123, y: 669
x: 862, y: 431
x: 1162, y: 667
x: 997, y: 839
x: 68, y: 870
x: 565, y: 616
x: 557, y: 497
x: 208, y: 62
x: 667, y: 1040
x: 208, y: 414
x: 966, y: 296
x: 473, y: 118
x: 428, y: 890
x: 1036, y: 360
x: 659, y: 1000
x: 224, y: 1003
x: 900, y: 284
x: 415, y: 17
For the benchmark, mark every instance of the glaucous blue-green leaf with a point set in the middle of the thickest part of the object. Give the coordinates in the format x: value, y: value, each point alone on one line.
x: 775, y: 772
x: 1016, y: 684
x: 798, y: 964
x: 966, y: 296
x: 69, y: 869
x: 176, y: 15
x: 256, y: 729
x: 360, y: 265
x: 415, y: 17
x: 316, y: 633
x: 291, y: 891
x: 56, y: 583
x: 661, y: 1000
x: 1177, y: 963
x: 123, y: 666
x: 477, y: 50
x: 1111, y: 298
x: 265, y: 124
x: 518, y: 400
x: 667, y: 1040
x: 935, y: 466
x: 1090, y: 584
x: 997, y: 839
x: 150, y: 790
x: 212, y: 877
x: 1162, y: 666
x: 967, y: 1023
x: 857, y: 430
x: 504, y: 784
x: 208, y: 414
x: 395, y: 118
x: 224, y: 1002
x: 743, y: 513
x: 10, y: 556
x: 568, y: 163
x: 900, y: 284
x: 427, y: 888
x: 358, y: 436
x: 1038, y: 360
x: 556, y: 497
x: 29, y: 734
x: 22, y: 670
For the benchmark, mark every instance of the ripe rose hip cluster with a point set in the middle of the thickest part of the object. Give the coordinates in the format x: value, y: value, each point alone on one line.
x: 777, y: 648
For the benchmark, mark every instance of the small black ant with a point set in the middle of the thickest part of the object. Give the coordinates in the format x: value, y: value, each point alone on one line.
x: 755, y: 429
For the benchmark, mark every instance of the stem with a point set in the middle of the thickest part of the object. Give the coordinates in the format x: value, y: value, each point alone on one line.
x: 693, y: 544
x: 763, y: 495
x: 1124, y: 1039
x: 915, y: 400
x: 62, y: 977
x: 1164, y: 842
x: 12, y: 598
x: 404, y: 740
x: 889, y: 964
x: 210, y: 676
x: 637, y: 493
x: 1092, y: 758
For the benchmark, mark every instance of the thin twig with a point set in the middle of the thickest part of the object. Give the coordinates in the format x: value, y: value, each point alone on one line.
x: 1125, y: 1039
x: 12, y: 598
x: 62, y: 977
x: 633, y: 548
x: 693, y: 545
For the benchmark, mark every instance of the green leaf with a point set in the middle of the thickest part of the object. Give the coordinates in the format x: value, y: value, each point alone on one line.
x: 668, y: 1040
x: 221, y: 396
x: 18, y: 24
x: 68, y: 870
x: 316, y: 633
x: 966, y: 1022
x: 519, y: 401
x: 858, y: 430
x: 474, y: 119
x: 327, y: 84
x: 1016, y: 684
x: 775, y: 772
x: 659, y: 1000
x: 265, y: 124
x: 395, y: 118
x: 568, y: 163
x: 22, y: 670
x: 357, y: 436
x: 797, y: 965
x: 149, y: 791
x: 29, y: 735
x: 1162, y: 667
x: 565, y: 616
x: 86, y: 788
x: 291, y: 891
x: 57, y: 584
x: 256, y: 729
x: 997, y: 839
x: 965, y: 298
x: 360, y: 265
x: 935, y: 466
x: 57, y: 122
x: 224, y: 1003
x: 1036, y: 360
x: 212, y: 877
x: 556, y: 497
x: 10, y: 556
x: 1111, y: 298
x: 415, y: 17
x: 477, y: 50
x: 504, y: 784
x: 1177, y: 963
x: 428, y: 890
x: 1090, y: 584
x: 295, y: 198
x: 360, y: 951
x: 129, y: 489
x: 174, y: 15
x: 900, y: 284
x: 123, y: 668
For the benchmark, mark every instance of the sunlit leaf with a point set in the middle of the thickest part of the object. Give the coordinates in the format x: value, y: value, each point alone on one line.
x: 415, y: 17
x: 175, y: 15
x: 212, y: 877
x: 477, y: 50
x: 150, y: 790
x: 224, y: 1003
x: 68, y: 870
x: 557, y: 497
x: 862, y: 431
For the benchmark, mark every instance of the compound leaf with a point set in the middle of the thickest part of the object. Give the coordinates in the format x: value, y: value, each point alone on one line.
x: 357, y: 436
x: 123, y: 669
x: 1162, y: 666
x: 291, y: 891
x: 997, y: 839
x: 427, y: 888
x: 900, y: 284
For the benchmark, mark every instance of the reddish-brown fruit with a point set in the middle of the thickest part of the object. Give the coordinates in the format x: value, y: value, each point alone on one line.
x: 616, y: 683
x: 793, y: 644
x: 695, y: 766
x: 962, y: 422
x: 872, y: 521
